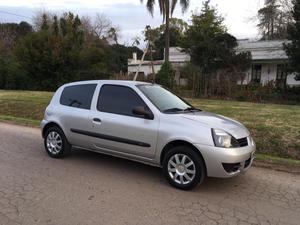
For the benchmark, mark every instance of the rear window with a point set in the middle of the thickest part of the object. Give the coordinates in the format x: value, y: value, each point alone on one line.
x: 78, y: 96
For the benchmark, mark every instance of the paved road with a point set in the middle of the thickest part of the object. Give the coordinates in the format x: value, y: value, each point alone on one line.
x: 89, y: 188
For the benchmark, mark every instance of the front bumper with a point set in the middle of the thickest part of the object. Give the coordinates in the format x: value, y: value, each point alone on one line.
x: 226, y: 162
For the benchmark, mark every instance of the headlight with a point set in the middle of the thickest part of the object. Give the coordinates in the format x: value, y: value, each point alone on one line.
x: 223, y: 139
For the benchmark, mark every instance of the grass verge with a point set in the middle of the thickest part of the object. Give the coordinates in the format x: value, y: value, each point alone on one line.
x: 277, y: 160
x: 20, y: 121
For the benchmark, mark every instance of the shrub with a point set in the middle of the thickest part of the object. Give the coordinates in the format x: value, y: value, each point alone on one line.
x: 165, y: 76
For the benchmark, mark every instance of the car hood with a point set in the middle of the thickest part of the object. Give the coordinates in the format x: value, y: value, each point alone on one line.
x: 235, y: 128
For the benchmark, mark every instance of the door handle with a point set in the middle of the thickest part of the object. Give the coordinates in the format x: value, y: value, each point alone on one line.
x: 96, y: 120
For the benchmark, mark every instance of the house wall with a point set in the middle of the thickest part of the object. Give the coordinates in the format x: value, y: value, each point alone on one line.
x: 146, y: 69
x: 290, y: 80
x: 268, y: 73
x: 177, y: 55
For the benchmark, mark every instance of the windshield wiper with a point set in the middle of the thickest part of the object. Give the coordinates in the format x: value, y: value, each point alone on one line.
x: 173, y: 110
x: 191, y: 109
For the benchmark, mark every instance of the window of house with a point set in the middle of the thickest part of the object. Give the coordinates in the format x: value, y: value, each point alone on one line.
x: 281, y: 72
x: 78, y: 96
x: 119, y: 100
x: 256, y: 73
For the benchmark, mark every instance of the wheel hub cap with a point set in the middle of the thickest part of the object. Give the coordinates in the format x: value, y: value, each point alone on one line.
x: 54, y: 142
x: 181, y: 169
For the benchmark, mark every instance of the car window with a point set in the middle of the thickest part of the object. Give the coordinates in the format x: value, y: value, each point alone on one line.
x: 78, y: 96
x: 163, y: 99
x: 119, y: 100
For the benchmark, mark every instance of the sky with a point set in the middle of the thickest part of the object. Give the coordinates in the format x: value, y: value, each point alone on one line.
x: 131, y: 16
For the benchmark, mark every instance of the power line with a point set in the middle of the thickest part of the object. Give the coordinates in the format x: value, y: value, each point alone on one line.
x: 14, y: 14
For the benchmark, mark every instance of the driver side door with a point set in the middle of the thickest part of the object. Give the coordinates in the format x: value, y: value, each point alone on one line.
x: 117, y: 128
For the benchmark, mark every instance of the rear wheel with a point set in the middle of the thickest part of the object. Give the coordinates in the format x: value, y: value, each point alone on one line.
x: 56, y: 144
x: 183, y: 167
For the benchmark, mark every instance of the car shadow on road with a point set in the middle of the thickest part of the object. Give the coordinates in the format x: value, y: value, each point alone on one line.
x: 145, y: 172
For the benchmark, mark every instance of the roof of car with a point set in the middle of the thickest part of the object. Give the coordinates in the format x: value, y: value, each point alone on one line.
x: 119, y: 82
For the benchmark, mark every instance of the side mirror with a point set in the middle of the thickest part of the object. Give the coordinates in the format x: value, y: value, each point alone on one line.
x: 141, y: 111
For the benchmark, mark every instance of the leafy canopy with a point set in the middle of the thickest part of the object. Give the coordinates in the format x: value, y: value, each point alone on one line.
x: 293, y: 49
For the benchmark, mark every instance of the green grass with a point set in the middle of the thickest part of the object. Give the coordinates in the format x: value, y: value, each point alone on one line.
x: 277, y: 160
x: 23, y: 107
x: 275, y: 128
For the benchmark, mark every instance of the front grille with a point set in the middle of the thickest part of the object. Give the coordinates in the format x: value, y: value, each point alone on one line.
x: 243, y: 142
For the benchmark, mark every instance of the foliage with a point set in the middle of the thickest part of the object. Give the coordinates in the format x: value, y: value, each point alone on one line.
x: 167, y: 8
x: 12, y: 32
x: 157, y: 37
x: 61, y: 50
x: 165, y: 76
x: 213, y: 49
x: 11, y: 74
x: 52, y: 56
x: 293, y: 49
x: 274, y: 19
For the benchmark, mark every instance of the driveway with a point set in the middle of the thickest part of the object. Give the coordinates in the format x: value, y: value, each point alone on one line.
x: 90, y: 188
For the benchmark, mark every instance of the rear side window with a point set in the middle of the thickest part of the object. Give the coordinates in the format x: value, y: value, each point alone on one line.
x: 119, y: 100
x: 78, y: 96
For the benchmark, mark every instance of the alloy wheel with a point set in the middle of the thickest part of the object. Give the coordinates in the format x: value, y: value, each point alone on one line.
x: 181, y: 169
x: 54, y: 142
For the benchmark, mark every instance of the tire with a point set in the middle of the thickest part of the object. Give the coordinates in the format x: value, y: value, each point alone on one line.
x: 56, y: 143
x: 183, y: 167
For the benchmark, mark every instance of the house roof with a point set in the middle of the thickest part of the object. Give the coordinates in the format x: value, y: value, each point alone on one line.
x: 264, y: 50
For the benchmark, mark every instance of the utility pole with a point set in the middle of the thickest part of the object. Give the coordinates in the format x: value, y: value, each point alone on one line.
x: 149, y: 46
x: 142, y: 60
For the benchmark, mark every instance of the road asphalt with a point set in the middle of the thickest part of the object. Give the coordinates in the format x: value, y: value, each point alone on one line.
x: 90, y: 188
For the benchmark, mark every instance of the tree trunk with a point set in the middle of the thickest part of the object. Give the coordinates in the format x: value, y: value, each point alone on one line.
x: 167, y: 32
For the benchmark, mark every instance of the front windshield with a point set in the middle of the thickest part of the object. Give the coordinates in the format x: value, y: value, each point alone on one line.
x: 164, y: 100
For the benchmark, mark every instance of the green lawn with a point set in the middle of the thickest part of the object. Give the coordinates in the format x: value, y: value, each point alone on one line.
x: 275, y: 128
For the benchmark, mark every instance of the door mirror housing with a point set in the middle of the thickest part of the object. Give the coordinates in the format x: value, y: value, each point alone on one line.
x: 141, y: 111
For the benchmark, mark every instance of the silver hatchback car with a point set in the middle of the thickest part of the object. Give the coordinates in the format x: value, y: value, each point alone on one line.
x: 149, y: 124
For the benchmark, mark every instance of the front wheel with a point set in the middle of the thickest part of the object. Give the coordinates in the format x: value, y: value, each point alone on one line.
x: 183, y: 167
x: 56, y: 144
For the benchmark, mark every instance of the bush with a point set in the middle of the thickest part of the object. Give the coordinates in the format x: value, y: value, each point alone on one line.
x: 258, y: 93
x: 165, y: 76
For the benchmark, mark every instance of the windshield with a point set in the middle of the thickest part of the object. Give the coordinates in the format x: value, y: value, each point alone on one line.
x: 165, y: 100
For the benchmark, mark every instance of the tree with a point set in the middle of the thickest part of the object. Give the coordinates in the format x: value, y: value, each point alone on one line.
x: 102, y: 26
x: 293, y: 49
x: 165, y: 75
x: 166, y: 10
x: 178, y: 28
x: 113, y: 35
x: 274, y: 19
x: 210, y: 46
x: 59, y: 53
x: 10, y: 33
x: 136, y: 41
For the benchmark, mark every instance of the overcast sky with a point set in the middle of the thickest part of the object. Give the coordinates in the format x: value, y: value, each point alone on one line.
x: 131, y: 16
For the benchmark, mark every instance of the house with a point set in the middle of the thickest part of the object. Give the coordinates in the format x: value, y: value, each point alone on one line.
x: 146, y: 66
x: 269, y: 63
x: 177, y: 58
